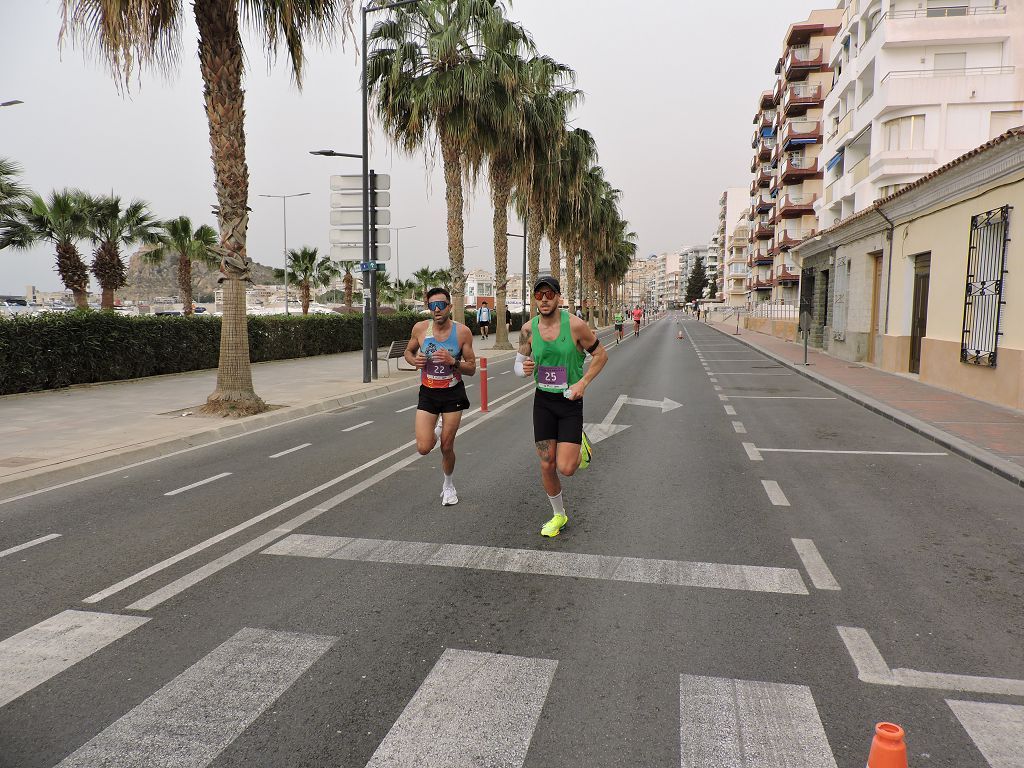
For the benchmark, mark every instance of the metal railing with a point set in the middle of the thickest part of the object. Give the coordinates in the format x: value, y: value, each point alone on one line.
x: 773, y: 311
x: 957, y: 72
x: 958, y: 11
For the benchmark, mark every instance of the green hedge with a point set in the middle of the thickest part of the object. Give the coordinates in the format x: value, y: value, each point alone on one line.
x: 58, y: 350
x: 52, y: 351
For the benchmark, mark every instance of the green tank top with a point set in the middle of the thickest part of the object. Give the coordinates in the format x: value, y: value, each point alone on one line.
x: 559, y: 362
x: 618, y: 318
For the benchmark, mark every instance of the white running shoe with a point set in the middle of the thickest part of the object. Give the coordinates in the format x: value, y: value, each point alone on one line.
x: 437, y: 429
x: 449, y: 497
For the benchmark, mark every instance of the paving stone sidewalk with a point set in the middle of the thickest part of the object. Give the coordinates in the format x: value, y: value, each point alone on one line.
x: 987, y: 434
x: 49, y: 437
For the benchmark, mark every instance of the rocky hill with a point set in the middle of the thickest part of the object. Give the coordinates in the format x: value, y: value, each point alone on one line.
x: 147, y: 280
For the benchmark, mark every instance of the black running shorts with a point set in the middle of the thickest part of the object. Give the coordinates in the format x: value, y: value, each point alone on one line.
x: 447, y: 400
x: 555, y: 418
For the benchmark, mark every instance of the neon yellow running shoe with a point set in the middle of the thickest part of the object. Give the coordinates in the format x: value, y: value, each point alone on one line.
x: 554, y: 525
x: 586, y: 452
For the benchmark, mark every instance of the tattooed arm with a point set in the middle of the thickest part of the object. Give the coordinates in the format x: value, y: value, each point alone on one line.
x: 524, y: 360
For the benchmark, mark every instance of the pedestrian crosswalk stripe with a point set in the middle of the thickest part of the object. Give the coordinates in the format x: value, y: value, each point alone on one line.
x: 996, y: 729
x: 747, y: 724
x: 679, y: 573
x: 36, y: 654
x: 473, y: 709
x: 190, y: 721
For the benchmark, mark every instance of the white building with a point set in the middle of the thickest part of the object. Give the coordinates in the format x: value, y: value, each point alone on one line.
x: 916, y: 84
x: 666, y: 286
x: 732, y: 204
x: 480, y: 285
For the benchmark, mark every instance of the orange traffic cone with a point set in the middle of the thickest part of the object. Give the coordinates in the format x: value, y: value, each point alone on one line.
x: 887, y: 748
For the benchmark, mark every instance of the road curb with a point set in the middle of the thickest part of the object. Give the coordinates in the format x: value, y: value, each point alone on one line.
x: 104, y: 461
x: 973, y: 453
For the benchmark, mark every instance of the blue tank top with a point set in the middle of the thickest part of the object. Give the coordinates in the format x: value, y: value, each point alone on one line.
x: 438, y: 375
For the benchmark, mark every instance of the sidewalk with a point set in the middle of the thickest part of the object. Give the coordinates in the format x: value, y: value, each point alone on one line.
x: 988, y: 435
x: 60, y: 435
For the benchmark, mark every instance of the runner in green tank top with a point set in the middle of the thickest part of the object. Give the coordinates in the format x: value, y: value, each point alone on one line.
x: 552, y: 349
x: 619, y: 319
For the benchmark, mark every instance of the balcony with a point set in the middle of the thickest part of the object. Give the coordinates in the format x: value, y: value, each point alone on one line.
x: 766, y: 118
x: 787, y: 277
x: 801, y: 60
x: 758, y: 284
x: 797, y: 167
x: 860, y: 171
x: 764, y: 176
x: 766, y: 148
x: 768, y: 100
x: 787, y: 237
x: 763, y: 229
x: 800, y: 132
x: 978, y: 85
x: 845, y: 124
x: 761, y: 204
x: 777, y: 93
x: 800, y: 97
x: 797, y: 205
x: 760, y: 258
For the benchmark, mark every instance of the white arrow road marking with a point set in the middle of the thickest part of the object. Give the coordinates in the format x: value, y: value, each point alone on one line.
x: 997, y: 730
x: 871, y: 668
x: 665, y: 405
x: 598, y: 432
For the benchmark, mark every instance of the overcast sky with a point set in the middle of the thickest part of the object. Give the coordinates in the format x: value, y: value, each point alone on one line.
x: 671, y: 88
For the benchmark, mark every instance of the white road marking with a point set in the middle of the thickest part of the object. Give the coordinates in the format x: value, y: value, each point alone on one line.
x: 779, y: 397
x: 505, y: 373
x: 814, y: 564
x: 598, y: 432
x: 723, y: 397
x: 290, y: 450
x: 739, y: 360
x: 775, y: 494
x: 858, y: 453
x: 752, y: 452
x: 196, y: 715
x: 664, y: 404
x: 36, y: 654
x: 729, y: 410
x: 357, y: 426
x: 176, y: 491
x: 407, y: 408
x: 717, y: 388
x: 678, y: 573
x: 27, y: 544
x: 739, y: 428
x: 748, y: 373
x: 747, y: 724
x: 468, y: 386
x: 189, y: 580
x: 472, y: 709
x: 713, y: 380
x: 997, y: 730
x: 871, y: 668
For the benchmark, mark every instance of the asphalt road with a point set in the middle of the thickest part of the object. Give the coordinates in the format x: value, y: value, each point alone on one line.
x: 755, y: 572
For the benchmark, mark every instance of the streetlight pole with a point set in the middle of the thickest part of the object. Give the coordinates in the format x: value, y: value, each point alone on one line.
x: 284, y: 217
x: 398, y: 267
x: 510, y: 234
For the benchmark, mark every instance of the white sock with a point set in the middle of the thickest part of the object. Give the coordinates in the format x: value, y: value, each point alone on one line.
x: 448, y: 482
x: 556, y: 504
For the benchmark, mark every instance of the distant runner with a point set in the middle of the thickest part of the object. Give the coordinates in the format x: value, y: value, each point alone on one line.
x: 638, y: 315
x: 483, y: 319
x: 443, y: 351
x: 618, y: 326
x: 552, y: 349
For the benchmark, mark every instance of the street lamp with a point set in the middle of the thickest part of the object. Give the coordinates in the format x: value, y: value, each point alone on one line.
x: 524, y: 313
x: 398, y: 268
x: 284, y: 216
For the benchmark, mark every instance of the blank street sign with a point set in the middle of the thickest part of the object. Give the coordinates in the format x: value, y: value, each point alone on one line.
x: 341, y: 253
x: 355, y: 218
x: 354, y: 237
x: 353, y: 198
x: 380, y: 181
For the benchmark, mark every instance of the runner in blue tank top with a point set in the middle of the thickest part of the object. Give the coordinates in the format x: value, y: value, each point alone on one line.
x: 442, y: 350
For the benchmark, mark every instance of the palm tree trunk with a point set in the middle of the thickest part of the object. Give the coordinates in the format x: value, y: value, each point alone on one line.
x: 452, y: 160
x: 109, y: 271
x: 304, y: 293
x: 570, y: 275
x: 349, y: 280
x: 73, y: 273
x: 501, y: 189
x: 555, y: 257
x: 222, y: 65
x: 185, y: 282
x: 534, y: 232
x: 591, y: 287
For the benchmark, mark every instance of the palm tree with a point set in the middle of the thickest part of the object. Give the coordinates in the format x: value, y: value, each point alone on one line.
x: 60, y: 220
x: 428, y: 71
x: 346, y: 269
x: 112, y: 227
x: 135, y: 33
x: 425, y: 278
x: 12, y: 193
x: 180, y: 242
x: 579, y: 153
x: 309, y: 270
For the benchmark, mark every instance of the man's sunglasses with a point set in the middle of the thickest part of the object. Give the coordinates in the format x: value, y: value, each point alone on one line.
x: 437, y: 305
x: 547, y: 293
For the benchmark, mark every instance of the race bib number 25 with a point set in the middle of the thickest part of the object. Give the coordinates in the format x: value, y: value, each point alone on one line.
x: 553, y: 376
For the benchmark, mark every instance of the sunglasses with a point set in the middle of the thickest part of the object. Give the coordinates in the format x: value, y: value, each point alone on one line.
x: 546, y: 293
x: 437, y: 305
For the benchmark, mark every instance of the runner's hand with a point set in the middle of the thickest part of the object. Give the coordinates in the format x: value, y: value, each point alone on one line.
x: 443, y: 356
x: 528, y: 366
x: 575, y: 392
x: 421, y: 359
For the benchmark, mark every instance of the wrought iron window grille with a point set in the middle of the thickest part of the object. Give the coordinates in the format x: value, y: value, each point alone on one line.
x: 983, y: 297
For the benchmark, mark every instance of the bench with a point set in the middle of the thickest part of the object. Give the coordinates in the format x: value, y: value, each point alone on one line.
x: 396, y: 352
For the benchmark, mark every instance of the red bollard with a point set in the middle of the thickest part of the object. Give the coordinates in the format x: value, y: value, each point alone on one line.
x: 483, y: 384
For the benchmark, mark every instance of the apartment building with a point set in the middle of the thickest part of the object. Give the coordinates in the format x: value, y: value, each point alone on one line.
x: 641, y: 279
x: 916, y: 84
x: 479, y: 287
x: 733, y: 205
x: 666, y: 285
x: 787, y: 164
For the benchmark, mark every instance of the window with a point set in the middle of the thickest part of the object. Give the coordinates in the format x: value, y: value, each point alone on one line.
x: 947, y: 8
x: 983, y: 298
x: 904, y: 133
x: 944, y: 62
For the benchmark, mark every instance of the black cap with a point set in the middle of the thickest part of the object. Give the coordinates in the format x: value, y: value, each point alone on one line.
x: 549, y: 281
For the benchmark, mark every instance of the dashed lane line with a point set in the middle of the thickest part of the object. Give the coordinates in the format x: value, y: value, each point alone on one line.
x: 189, y: 487
x: 738, y: 428
x: 27, y: 544
x: 775, y: 494
x: 290, y: 450
x: 814, y: 564
x: 357, y: 426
